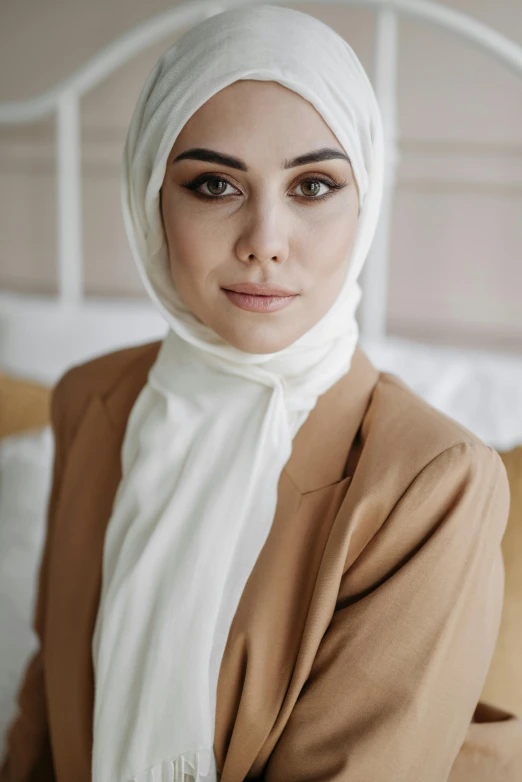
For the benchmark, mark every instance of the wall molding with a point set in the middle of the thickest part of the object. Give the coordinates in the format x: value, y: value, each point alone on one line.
x: 457, y: 335
x: 434, y: 166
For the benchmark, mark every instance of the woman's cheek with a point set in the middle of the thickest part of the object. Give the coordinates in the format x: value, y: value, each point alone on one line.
x: 195, y: 254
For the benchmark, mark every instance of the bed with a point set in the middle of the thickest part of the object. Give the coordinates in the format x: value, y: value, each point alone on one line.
x: 42, y: 336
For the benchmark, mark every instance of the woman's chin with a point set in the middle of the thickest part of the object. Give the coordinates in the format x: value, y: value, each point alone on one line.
x: 256, y: 341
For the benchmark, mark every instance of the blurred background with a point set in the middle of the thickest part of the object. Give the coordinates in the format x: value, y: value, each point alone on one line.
x: 455, y: 273
x: 450, y: 292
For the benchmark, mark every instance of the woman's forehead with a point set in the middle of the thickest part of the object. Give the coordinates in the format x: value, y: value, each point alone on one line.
x: 257, y: 116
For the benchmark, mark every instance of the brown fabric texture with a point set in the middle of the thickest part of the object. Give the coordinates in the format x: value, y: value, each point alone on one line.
x: 364, y: 635
x: 503, y: 687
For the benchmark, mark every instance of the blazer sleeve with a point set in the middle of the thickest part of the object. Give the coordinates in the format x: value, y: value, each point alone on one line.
x: 401, y: 667
x: 27, y: 754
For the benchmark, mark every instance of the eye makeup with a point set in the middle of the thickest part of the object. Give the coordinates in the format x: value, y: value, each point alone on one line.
x: 194, y: 184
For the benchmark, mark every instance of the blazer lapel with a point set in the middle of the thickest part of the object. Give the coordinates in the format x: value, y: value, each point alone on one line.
x: 321, y: 446
x: 290, y: 594
x: 90, y: 481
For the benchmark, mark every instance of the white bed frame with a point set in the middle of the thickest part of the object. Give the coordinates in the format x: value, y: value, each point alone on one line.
x: 40, y: 336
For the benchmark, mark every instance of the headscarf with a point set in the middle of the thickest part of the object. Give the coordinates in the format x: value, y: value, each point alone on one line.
x: 212, y: 429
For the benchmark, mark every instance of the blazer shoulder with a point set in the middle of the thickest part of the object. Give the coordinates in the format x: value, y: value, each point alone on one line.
x: 100, y: 374
x: 411, y: 430
x: 408, y: 448
x: 97, y: 376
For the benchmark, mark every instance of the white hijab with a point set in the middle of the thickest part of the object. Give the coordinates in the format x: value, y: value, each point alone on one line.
x: 213, y: 427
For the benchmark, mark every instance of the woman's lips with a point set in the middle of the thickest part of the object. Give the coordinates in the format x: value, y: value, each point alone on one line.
x: 247, y: 301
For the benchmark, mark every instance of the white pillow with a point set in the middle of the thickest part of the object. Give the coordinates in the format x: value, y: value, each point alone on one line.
x: 25, y: 481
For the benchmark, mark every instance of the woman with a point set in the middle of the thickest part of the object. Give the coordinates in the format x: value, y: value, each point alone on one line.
x: 265, y: 558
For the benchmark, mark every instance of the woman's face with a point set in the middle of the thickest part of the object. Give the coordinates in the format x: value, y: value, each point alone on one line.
x: 259, y: 216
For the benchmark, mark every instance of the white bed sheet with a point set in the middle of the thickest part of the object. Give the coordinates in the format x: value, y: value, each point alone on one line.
x: 480, y: 389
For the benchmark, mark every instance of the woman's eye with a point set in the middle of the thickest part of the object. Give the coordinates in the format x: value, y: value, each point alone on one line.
x: 217, y: 188
x: 314, y: 185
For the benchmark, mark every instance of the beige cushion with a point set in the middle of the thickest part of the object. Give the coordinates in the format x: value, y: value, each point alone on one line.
x: 503, y: 686
x: 24, y: 405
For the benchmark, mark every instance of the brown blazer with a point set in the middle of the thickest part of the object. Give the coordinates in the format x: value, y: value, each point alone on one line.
x: 364, y: 635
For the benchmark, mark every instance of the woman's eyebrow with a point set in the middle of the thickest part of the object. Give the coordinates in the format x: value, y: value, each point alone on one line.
x: 211, y: 156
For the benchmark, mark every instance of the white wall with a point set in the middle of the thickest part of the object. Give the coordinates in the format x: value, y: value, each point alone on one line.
x: 456, y: 270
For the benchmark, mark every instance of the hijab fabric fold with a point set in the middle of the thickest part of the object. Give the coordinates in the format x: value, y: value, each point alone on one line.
x: 212, y: 429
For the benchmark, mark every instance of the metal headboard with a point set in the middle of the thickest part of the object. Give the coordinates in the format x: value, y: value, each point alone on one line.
x: 64, y: 100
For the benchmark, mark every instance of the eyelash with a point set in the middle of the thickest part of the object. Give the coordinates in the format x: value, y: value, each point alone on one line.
x: 204, y: 178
